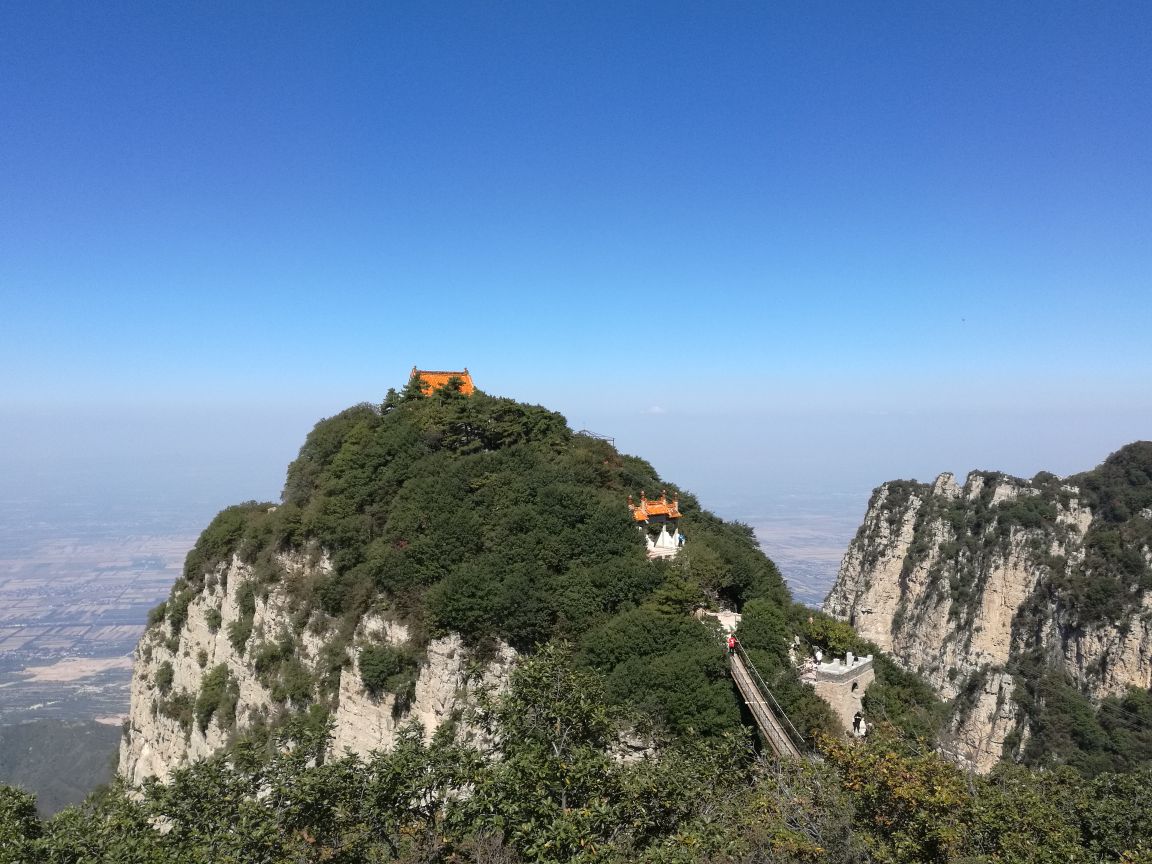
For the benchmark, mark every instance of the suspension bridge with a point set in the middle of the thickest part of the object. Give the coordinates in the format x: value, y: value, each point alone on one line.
x: 784, y: 739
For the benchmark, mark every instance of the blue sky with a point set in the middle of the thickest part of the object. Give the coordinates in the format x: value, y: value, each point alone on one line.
x: 826, y: 243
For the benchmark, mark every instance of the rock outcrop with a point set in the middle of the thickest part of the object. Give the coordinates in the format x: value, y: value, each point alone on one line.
x: 174, y: 719
x: 959, y: 582
x: 365, y: 722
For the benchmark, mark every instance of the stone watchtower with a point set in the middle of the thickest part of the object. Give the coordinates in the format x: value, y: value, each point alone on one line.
x: 659, y: 520
x: 841, y: 683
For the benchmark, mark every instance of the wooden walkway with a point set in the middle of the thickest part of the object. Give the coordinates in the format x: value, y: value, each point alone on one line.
x: 764, y: 707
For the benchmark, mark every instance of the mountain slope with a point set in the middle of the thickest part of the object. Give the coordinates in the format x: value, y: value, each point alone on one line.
x: 419, y: 546
x: 60, y: 761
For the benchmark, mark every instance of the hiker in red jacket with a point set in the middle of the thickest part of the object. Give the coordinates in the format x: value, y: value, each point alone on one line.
x: 731, y: 644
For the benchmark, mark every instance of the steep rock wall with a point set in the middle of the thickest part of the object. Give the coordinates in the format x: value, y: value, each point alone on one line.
x: 364, y: 722
x: 954, y: 582
x: 163, y: 731
x: 981, y: 728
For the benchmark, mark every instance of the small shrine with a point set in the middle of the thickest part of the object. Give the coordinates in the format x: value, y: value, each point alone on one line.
x: 434, y: 380
x: 659, y: 520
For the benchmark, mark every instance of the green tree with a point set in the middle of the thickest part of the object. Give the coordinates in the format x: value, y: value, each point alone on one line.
x: 382, y: 668
x: 551, y: 792
x: 416, y: 388
x: 20, y: 827
x: 112, y: 827
x: 451, y: 389
x: 764, y: 626
x: 913, y: 809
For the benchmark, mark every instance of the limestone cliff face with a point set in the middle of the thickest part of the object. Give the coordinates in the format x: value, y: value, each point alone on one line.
x: 959, y: 581
x: 365, y: 722
x: 165, y: 729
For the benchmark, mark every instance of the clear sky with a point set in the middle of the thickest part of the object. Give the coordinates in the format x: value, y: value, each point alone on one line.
x: 763, y: 244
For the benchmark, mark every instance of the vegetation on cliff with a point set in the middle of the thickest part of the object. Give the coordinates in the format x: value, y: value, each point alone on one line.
x: 491, y: 519
x: 1067, y: 728
x: 555, y: 792
x: 1106, y: 585
x: 1116, y: 570
x: 1106, y: 588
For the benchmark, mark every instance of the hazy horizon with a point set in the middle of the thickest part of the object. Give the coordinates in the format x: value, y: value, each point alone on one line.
x: 730, y: 459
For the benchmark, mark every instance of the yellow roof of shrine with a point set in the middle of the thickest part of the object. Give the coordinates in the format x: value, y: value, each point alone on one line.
x: 649, y: 507
x: 437, y: 379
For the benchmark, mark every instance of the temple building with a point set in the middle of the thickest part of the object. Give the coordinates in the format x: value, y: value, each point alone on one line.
x: 435, y: 380
x: 659, y: 520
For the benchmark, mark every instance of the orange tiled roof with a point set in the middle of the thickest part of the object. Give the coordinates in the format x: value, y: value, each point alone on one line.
x: 654, y: 507
x: 435, y: 380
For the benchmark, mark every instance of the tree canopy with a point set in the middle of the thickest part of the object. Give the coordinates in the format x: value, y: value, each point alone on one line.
x: 552, y: 787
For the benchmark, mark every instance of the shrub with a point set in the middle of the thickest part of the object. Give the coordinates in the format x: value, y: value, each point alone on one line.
x: 222, y: 537
x: 294, y: 683
x: 218, y: 696
x: 178, y: 609
x: 238, y: 633
x: 178, y: 707
x: 246, y: 599
x: 157, y: 614
x: 269, y: 655
x: 240, y: 629
x: 382, y: 668
x: 164, y: 675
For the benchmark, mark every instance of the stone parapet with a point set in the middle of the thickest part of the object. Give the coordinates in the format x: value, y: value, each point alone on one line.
x: 843, y: 669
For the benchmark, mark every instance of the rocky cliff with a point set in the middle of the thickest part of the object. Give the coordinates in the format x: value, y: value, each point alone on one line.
x: 980, y: 585
x: 180, y: 712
